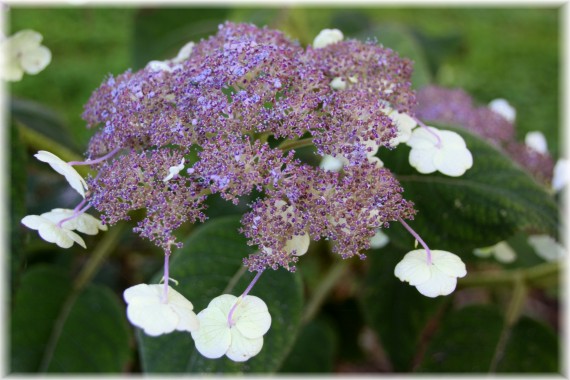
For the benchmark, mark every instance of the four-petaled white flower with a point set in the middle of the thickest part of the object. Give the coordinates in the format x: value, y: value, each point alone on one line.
x: 437, y: 278
x: 536, y: 141
x: 449, y: 154
x: 546, y: 247
x: 238, y: 339
x: 502, y: 252
x: 147, y: 310
x: 560, y: 174
x: 51, y: 232
x: 21, y: 53
x: 327, y: 37
x: 503, y: 108
x: 84, y: 223
x: 379, y: 240
x: 173, y: 171
x: 75, y: 180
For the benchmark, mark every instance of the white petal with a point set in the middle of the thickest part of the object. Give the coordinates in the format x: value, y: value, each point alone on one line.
x: 52, y: 234
x: 298, y: 243
x: 331, y: 164
x: 483, y: 252
x: 503, y: 108
x: 376, y: 161
x: 252, y: 318
x: 178, y: 299
x: 33, y: 221
x: 75, y: 180
x: 422, y: 160
x: 25, y: 40
x: 453, y: 162
x: 184, y: 52
x: 379, y: 240
x: 413, y: 268
x: 439, y: 284
x: 338, y: 83
x: 242, y: 348
x: 157, y: 66
x: 11, y: 70
x: 560, y: 174
x: 35, y: 60
x: 546, y: 247
x: 536, y: 141
x: 504, y: 253
x: 223, y: 303
x: 143, y: 293
x: 448, y: 263
x: 450, y: 139
x: 422, y: 138
x: 327, y: 37
x: 213, y: 337
x: 155, y: 318
x: 188, y: 320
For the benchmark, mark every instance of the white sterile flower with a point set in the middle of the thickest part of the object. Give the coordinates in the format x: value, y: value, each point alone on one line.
x: 240, y: 340
x: 21, y: 53
x: 536, y: 141
x: 546, y: 247
x: 170, y: 64
x: 51, y: 232
x: 437, y: 278
x: 560, y: 174
x: 174, y: 170
x: 503, y: 108
x: 450, y: 155
x: 184, y: 53
x: 332, y: 164
x: 338, y: 83
x: 405, y: 124
x: 327, y: 37
x: 75, y: 180
x: 502, y: 252
x: 85, y: 223
x: 379, y: 240
x: 159, y: 66
x: 147, y: 310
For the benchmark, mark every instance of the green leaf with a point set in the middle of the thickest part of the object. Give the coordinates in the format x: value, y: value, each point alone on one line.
x: 472, y: 340
x: 400, y: 38
x: 396, y: 311
x: 492, y: 201
x: 18, y: 186
x: 211, y: 258
x: 54, y: 329
x: 159, y: 33
x: 314, y: 351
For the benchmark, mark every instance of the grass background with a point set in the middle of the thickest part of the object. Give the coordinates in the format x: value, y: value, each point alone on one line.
x: 490, y: 52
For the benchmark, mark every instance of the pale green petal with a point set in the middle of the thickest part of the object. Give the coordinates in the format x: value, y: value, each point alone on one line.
x: 155, y: 318
x: 422, y: 160
x: 413, y: 268
x: 252, y: 318
x: 440, y: 284
x: 242, y: 348
x: 448, y: 263
x: 213, y: 337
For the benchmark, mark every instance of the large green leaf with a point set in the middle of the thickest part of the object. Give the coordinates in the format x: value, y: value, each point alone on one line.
x: 492, y: 201
x: 317, y: 341
x: 472, y: 340
x: 211, y: 258
x: 396, y: 311
x: 54, y: 329
x: 18, y: 176
x: 160, y: 32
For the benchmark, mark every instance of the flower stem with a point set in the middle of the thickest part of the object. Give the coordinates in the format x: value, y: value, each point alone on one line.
x: 240, y: 298
x: 418, y: 238
x: 294, y: 144
x: 166, y: 274
x: 95, y: 161
x: 76, y: 213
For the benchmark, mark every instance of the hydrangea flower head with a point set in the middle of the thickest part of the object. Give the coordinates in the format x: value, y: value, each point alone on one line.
x: 75, y: 180
x: 51, y: 232
x: 146, y: 309
x: 23, y: 53
x: 448, y: 155
x: 238, y: 339
x: 432, y: 279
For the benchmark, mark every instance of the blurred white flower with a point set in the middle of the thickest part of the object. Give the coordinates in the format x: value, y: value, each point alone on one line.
x: 327, y: 37
x: 147, y: 310
x: 536, y: 141
x: 21, y: 53
x: 560, y: 174
x: 502, y: 252
x: 503, y: 108
x: 546, y: 247
x: 84, y: 223
x: 184, y: 53
x: 173, y: 171
x: 332, y: 164
x: 438, y: 278
x: 338, y: 83
x: 379, y: 240
x: 75, y: 180
x: 51, y: 232
x: 170, y: 65
x: 449, y: 155
x: 240, y: 339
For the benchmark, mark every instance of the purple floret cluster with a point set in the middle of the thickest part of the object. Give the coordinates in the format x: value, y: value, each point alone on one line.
x: 226, y: 110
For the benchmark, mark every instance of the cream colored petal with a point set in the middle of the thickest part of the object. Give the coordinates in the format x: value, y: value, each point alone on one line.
x: 213, y: 337
x: 52, y: 234
x: 413, y: 268
x: 223, y: 303
x: 73, y: 178
x: 536, y: 141
x: 10, y: 70
x: 188, y: 320
x: 327, y: 37
x: 560, y: 174
x: 338, y: 83
x: 503, y: 108
x: 184, y: 52
x: 546, y: 247
x: 504, y: 253
x: 379, y: 240
x: 33, y: 221
x: 299, y: 244
x: 448, y: 263
x: 252, y: 318
x: 178, y: 299
x: 422, y: 138
x: 376, y: 161
x: 453, y: 162
x: 155, y: 319
x: 439, y: 284
x: 422, y: 160
x: 331, y: 164
x: 242, y: 348
x: 143, y: 293
x: 35, y: 60
x: 451, y: 139
x: 25, y: 40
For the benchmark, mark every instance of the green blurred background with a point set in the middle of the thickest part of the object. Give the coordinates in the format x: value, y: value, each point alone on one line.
x: 511, y: 53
